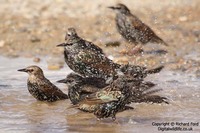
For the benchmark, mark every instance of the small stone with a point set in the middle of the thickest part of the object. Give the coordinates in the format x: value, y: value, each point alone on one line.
x: 2, y: 43
x: 55, y: 63
x: 35, y: 39
x: 183, y: 18
x: 36, y: 59
x: 54, y: 67
x: 113, y: 44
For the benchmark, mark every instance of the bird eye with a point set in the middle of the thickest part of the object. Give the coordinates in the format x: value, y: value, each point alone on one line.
x: 68, y: 34
x: 30, y: 70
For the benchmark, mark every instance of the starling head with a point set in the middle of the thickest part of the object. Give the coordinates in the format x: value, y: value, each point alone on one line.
x: 120, y: 8
x: 33, y: 70
x: 71, y: 79
x: 71, y: 37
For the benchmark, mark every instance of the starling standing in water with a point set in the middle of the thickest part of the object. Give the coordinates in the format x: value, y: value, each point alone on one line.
x: 115, y: 97
x: 132, y: 28
x: 79, y: 88
x: 88, y: 60
x: 40, y: 87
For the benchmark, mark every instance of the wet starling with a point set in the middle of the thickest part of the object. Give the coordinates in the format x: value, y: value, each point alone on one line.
x: 40, y: 87
x: 85, y: 58
x: 132, y: 28
x: 88, y: 60
x: 114, y: 98
x: 79, y: 87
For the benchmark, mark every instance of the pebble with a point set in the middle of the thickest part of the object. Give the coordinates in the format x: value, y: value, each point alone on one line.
x: 112, y: 44
x: 36, y: 59
x: 183, y: 18
x: 54, y: 67
x: 2, y: 43
x: 35, y: 39
x: 55, y: 63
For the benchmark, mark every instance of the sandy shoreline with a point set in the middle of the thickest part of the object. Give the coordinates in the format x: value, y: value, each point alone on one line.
x: 34, y: 28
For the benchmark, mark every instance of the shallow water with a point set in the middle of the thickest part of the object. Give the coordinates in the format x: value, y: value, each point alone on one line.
x: 21, y: 113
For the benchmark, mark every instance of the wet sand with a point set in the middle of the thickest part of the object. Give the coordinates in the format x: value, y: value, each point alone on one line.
x: 32, y: 29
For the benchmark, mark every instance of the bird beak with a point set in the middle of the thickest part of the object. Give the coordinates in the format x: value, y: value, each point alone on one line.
x: 62, y: 45
x: 62, y: 81
x: 23, y: 70
x: 113, y: 8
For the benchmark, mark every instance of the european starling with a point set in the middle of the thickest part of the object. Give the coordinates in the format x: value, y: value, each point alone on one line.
x: 79, y: 87
x: 132, y: 28
x: 40, y: 87
x: 115, y: 97
x: 85, y: 58
x: 88, y: 60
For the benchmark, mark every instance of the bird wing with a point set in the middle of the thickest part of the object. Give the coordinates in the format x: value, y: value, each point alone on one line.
x: 50, y: 89
x: 95, y: 62
x: 89, y: 89
x: 105, y: 95
x: 143, y: 32
x: 90, y: 45
x: 137, y: 25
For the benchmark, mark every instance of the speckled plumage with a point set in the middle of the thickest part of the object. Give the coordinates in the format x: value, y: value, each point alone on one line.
x: 40, y: 87
x: 114, y: 98
x: 85, y: 58
x: 132, y: 28
x: 88, y: 60
x: 79, y: 88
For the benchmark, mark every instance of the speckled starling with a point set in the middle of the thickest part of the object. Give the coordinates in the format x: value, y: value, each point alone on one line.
x: 132, y: 28
x: 79, y: 87
x: 88, y: 60
x: 85, y: 58
x: 115, y: 97
x: 40, y: 87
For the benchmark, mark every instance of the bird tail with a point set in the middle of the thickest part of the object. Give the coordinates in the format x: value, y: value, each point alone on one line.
x: 155, y: 70
x: 159, y: 41
x: 154, y: 99
x: 150, y: 97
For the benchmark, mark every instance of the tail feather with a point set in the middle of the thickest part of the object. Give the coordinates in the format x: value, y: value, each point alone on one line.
x: 157, y: 39
x: 154, y: 99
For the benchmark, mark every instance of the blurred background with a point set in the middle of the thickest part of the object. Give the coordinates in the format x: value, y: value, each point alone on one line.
x: 33, y: 28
